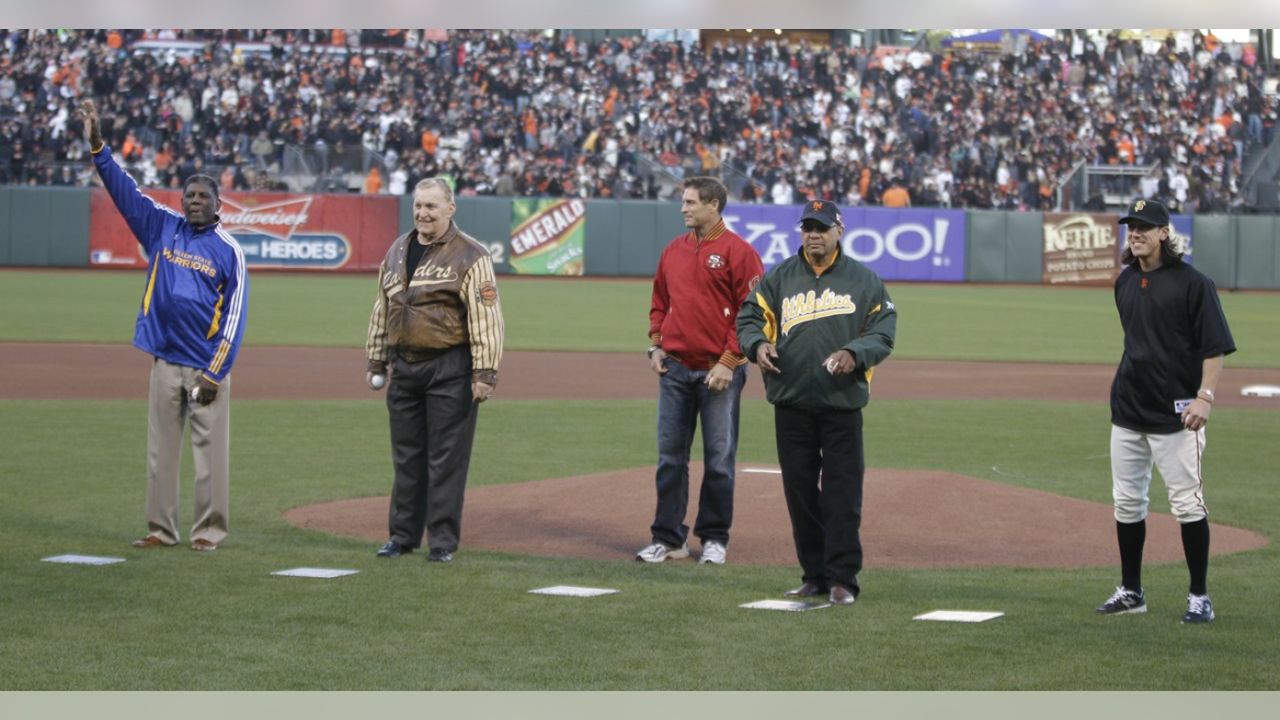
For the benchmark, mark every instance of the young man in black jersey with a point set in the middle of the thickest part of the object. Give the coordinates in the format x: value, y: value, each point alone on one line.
x: 1175, y: 337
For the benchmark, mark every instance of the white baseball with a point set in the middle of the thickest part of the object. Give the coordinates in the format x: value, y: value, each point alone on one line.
x: 377, y: 381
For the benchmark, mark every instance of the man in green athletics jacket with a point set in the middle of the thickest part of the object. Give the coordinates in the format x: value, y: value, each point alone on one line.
x: 816, y: 325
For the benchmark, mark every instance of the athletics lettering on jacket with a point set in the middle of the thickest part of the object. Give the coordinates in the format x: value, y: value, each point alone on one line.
x: 805, y: 307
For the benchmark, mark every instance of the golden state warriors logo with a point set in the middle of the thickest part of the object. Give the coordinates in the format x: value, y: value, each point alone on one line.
x: 715, y: 262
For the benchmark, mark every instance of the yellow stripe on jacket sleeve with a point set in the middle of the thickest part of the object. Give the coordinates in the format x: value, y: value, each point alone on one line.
x: 484, y: 314
x: 375, y: 344
x: 770, y: 320
x: 217, y: 317
x: 151, y: 285
x: 215, y: 366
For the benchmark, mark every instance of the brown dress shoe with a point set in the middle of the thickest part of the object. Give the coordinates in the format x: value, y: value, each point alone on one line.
x: 150, y: 541
x: 203, y: 545
x: 806, y: 590
x: 841, y: 595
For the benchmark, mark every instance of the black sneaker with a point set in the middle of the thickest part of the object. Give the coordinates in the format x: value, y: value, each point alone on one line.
x: 1199, y: 609
x: 1124, y: 602
x: 393, y: 549
x: 438, y: 555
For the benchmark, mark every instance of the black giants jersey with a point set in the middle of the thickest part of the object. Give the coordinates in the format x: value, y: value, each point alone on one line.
x: 1172, y: 321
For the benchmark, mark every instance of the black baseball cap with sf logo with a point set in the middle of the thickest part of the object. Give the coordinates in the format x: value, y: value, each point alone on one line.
x: 1149, y: 212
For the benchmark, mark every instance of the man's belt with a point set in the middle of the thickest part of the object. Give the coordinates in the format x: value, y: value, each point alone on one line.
x: 417, y: 355
x: 695, y: 362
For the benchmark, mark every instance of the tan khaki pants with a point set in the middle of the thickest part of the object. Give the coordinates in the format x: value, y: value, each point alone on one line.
x: 170, y: 406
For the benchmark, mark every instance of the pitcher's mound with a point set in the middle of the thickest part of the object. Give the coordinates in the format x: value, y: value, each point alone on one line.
x: 911, y: 519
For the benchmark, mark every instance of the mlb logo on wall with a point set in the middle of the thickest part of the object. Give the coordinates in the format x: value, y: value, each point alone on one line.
x: 268, y: 234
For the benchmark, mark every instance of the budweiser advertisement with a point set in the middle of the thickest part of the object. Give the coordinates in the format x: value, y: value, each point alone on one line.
x: 275, y: 230
x: 1080, y: 249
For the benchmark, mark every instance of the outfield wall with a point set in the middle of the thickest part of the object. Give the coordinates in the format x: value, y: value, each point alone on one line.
x: 78, y: 227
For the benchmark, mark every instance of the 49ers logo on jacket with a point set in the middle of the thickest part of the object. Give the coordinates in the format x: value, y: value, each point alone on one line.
x: 715, y: 262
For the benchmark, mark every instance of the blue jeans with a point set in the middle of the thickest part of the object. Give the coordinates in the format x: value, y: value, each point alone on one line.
x: 683, y: 397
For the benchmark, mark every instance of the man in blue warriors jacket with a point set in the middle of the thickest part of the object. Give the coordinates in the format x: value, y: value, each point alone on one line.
x: 817, y: 325
x: 191, y: 320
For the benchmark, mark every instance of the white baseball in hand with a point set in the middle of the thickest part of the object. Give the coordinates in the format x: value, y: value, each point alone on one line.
x: 377, y: 381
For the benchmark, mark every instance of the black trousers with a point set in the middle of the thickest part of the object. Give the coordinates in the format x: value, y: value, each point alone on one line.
x: 822, y: 469
x: 433, y: 423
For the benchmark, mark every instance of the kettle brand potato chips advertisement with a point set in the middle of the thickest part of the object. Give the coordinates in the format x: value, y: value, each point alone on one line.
x: 1080, y: 249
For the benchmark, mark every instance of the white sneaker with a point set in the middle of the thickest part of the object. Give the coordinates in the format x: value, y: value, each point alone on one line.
x: 1199, y: 609
x: 712, y: 552
x: 659, y: 552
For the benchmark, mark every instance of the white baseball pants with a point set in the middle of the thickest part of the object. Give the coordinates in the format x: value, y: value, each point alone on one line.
x: 1177, y: 455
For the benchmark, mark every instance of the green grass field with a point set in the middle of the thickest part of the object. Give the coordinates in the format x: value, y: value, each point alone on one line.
x: 937, y: 322
x: 71, y: 476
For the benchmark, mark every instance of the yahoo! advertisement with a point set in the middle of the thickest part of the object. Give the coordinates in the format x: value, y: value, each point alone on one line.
x: 899, y: 244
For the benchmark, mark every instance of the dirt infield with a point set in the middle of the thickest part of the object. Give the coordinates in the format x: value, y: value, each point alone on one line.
x: 89, y: 371
x: 912, y: 518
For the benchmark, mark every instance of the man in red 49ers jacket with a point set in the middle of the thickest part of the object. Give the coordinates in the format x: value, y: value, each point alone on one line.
x: 702, y: 278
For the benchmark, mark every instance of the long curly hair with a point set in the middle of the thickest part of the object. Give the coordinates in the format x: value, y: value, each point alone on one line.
x: 1170, y: 252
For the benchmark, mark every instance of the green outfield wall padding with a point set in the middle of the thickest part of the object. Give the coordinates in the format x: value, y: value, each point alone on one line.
x: 488, y: 219
x: 987, y: 244
x: 603, y: 238
x: 69, y: 227
x: 1024, y: 256
x: 6, y: 216
x: 646, y: 228
x: 1004, y: 247
x: 1256, y: 260
x: 1213, y: 239
x: 29, y: 227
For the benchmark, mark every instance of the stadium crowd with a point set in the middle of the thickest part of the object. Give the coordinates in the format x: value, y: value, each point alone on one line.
x: 532, y: 113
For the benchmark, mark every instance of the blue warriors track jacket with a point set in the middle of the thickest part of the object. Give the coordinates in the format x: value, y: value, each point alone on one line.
x: 808, y: 316
x: 197, y: 291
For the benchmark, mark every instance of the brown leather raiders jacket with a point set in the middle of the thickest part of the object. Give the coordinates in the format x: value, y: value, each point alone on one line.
x: 449, y: 300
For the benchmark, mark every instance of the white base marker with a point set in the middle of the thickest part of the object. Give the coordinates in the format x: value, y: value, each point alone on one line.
x: 82, y: 560
x: 310, y: 572
x: 966, y: 616
x: 573, y: 591
x: 784, y: 605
